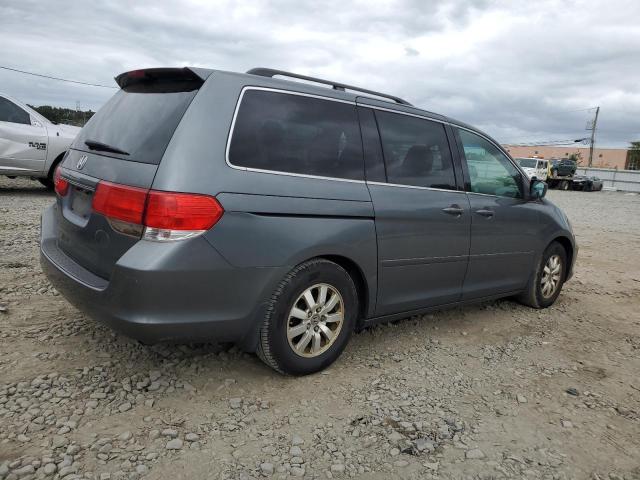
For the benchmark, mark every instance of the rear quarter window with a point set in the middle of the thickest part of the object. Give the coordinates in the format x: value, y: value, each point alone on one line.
x: 297, y: 134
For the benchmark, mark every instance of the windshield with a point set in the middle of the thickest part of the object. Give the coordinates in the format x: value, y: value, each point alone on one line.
x: 527, y: 162
x: 139, y: 123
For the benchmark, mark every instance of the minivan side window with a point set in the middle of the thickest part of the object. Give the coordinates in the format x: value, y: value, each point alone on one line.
x: 416, y: 151
x: 10, y: 112
x: 490, y: 171
x: 297, y: 134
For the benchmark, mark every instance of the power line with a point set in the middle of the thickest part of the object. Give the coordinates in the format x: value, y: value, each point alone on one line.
x: 576, y: 110
x: 57, y: 78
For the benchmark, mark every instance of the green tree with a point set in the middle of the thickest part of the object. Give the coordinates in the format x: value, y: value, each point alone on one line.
x: 576, y: 157
x: 64, y: 115
x: 633, y: 156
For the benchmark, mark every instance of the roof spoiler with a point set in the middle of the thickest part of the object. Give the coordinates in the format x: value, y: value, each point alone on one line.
x: 186, y: 76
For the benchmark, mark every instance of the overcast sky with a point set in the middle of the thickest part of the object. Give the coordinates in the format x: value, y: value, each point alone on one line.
x: 517, y: 69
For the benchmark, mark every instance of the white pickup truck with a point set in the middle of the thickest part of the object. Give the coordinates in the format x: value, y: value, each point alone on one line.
x: 535, y: 167
x: 31, y: 145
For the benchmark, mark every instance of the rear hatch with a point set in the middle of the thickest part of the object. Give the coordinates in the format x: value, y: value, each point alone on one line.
x: 122, y: 144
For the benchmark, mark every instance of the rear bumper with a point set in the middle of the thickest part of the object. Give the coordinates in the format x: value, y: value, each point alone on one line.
x: 165, y: 292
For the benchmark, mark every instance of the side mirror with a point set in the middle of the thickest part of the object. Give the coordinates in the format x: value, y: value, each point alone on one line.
x: 538, y: 188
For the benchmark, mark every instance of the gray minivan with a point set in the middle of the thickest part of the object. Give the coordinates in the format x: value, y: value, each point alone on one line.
x: 202, y: 205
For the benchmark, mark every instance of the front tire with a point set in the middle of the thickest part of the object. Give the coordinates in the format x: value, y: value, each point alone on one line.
x: 547, y: 280
x: 309, y: 318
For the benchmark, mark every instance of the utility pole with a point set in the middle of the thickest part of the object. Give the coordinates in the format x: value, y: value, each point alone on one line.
x: 78, y: 110
x: 593, y: 136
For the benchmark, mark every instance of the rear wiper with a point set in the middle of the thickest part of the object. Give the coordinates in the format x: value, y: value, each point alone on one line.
x: 103, y: 147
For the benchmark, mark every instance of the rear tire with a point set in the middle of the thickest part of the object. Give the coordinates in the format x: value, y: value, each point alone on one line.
x: 47, y: 182
x: 309, y: 318
x: 547, y: 280
x: 564, y: 185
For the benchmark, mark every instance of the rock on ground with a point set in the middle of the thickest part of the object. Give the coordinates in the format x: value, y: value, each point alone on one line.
x: 504, y: 390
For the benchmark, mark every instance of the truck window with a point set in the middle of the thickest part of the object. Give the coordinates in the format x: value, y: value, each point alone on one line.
x: 10, y: 112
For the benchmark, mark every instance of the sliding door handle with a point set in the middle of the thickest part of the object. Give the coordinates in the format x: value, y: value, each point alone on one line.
x: 454, y: 210
x: 485, y: 212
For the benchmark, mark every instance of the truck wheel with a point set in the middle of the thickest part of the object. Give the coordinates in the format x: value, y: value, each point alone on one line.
x: 546, y: 281
x: 46, y: 182
x: 564, y: 185
x: 309, y: 318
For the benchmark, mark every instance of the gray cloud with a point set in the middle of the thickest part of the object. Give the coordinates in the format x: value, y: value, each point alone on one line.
x: 517, y: 69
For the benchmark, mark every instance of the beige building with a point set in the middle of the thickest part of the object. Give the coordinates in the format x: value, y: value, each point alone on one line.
x: 602, y: 157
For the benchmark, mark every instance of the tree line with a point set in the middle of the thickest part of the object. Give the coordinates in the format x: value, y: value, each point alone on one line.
x: 64, y: 115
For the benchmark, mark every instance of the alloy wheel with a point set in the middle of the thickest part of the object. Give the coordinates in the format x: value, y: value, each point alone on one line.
x: 315, y: 320
x: 551, y: 276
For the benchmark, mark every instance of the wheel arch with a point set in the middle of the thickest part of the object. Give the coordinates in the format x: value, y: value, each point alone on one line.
x: 250, y: 342
x: 55, y: 163
x: 567, y: 244
x: 359, y: 279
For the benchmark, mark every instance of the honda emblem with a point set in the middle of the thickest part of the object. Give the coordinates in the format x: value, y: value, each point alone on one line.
x: 81, y: 162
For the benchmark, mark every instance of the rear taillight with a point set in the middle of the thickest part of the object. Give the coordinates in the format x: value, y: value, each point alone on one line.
x: 120, y: 202
x: 60, y: 185
x: 165, y: 216
x: 181, y: 211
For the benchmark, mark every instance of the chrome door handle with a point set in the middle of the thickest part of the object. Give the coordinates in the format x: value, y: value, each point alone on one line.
x: 454, y: 210
x: 485, y: 212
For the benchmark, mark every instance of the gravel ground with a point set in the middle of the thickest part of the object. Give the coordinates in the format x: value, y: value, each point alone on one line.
x: 495, y: 390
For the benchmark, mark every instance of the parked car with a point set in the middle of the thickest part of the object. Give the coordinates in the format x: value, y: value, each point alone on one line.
x: 586, y: 183
x: 596, y: 184
x: 202, y: 205
x: 534, y: 167
x: 564, y: 167
x: 31, y: 145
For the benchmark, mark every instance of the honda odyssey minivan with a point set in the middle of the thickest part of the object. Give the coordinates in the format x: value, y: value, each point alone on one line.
x: 201, y: 205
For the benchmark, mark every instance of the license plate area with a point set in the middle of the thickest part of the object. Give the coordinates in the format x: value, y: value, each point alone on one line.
x: 77, y: 205
x: 81, y: 202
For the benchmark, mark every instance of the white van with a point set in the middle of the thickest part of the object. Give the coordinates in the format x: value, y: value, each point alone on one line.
x: 535, y: 167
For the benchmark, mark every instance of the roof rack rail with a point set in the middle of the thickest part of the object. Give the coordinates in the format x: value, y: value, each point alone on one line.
x: 271, y: 72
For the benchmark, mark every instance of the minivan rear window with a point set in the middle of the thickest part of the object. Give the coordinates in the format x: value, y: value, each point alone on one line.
x: 138, y: 122
x: 297, y: 134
